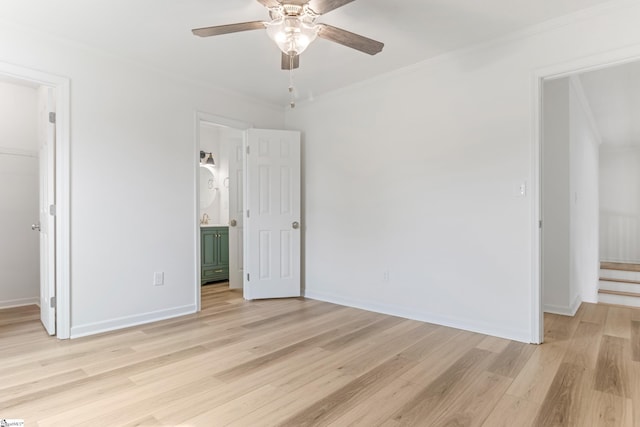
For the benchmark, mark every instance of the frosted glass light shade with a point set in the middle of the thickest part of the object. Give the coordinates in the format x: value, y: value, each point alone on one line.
x: 292, y: 34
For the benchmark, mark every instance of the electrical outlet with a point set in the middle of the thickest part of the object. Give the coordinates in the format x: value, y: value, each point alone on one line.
x: 158, y: 278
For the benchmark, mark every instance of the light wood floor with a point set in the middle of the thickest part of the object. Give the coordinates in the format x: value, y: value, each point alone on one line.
x: 302, y: 362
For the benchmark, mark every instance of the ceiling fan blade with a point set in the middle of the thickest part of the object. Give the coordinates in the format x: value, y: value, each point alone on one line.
x: 286, y: 61
x: 323, y: 6
x: 354, y: 41
x: 269, y: 3
x: 226, y: 29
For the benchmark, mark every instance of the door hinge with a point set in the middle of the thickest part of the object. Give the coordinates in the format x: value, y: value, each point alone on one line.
x: 52, y: 210
x: 248, y: 277
x: 52, y: 302
x: 248, y: 213
x: 540, y: 224
x: 52, y: 117
x: 248, y: 150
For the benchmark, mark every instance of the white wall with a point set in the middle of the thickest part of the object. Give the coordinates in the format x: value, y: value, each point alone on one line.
x: 620, y: 203
x: 584, y: 200
x: 133, y: 169
x: 19, y: 256
x: 556, y: 197
x: 413, y: 173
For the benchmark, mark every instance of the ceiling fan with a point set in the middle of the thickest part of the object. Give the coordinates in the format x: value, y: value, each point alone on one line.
x: 293, y: 27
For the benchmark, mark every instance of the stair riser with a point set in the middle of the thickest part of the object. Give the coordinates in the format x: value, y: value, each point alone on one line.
x: 619, y: 274
x: 619, y: 300
x: 621, y: 287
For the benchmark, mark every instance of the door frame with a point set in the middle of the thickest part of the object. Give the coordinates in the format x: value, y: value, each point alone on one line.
x: 202, y: 117
x: 62, y: 174
x: 539, y: 76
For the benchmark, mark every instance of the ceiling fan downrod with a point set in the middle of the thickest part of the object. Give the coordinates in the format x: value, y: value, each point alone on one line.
x: 292, y: 98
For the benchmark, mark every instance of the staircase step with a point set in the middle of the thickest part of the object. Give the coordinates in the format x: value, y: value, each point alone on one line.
x: 610, y: 279
x: 620, y: 293
x: 620, y: 274
x: 623, y: 266
x: 625, y: 299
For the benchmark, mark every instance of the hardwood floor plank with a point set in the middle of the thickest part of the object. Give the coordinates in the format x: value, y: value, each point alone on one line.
x: 510, y: 361
x: 611, y: 374
x: 635, y: 340
x: 362, y: 333
x: 476, y: 402
x: 332, y: 406
x: 562, y: 404
x: 536, y: 377
x: 512, y: 411
x: 584, y: 346
x: 387, y: 401
x: 429, y: 404
x: 494, y: 344
x: 594, y: 313
x: 606, y: 410
x: 451, y: 347
x: 618, y: 322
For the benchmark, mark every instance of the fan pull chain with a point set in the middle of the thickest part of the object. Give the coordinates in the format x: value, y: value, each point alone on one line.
x: 292, y: 101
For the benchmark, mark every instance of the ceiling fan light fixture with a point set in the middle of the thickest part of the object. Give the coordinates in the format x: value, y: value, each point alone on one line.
x: 292, y: 34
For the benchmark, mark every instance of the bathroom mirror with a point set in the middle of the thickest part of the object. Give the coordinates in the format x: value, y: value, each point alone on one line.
x: 207, y: 187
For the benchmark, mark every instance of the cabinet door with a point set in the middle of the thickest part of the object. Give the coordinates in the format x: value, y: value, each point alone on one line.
x: 223, y: 247
x: 208, y: 247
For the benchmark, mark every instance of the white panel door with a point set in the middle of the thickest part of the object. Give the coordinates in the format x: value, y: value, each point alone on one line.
x: 272, y: 226
x: 236, y: 213
x: 47, y: 135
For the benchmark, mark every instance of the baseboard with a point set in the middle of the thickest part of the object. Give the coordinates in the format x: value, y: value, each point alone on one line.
x: 564, y: 310
x: 452, y: 322
x: 19, y: 302
x: 128, y: 321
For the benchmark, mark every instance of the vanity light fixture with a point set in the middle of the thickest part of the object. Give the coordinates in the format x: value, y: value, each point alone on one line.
x: 208, y: 157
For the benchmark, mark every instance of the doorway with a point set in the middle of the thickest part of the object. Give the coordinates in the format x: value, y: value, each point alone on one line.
x: 19, y: 253
x: 219, y: 182
x: 568, y: 206
x: 53, y: 296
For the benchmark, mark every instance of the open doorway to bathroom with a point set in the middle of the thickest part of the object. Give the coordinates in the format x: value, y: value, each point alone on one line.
x: 220, y: 203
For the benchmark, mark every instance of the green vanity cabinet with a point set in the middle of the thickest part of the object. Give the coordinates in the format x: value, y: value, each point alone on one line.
x: 214, y: 254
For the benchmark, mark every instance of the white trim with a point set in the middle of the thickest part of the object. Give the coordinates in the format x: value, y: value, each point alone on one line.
x: 20, y: 302
x: 202, y: 117
x: 63, y: 185
x: 590, y: 63
x: 537, y: 320
x: 564, y: 310
x: 453, y: 322
x: 128, y: 321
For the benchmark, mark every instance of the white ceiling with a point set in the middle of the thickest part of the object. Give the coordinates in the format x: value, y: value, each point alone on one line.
x: 614, y: 97
x: 157, y: 33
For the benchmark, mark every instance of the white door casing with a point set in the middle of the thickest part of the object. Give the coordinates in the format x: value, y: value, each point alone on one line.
x: 47, y: 136
x: 272, y: 221
x: 236, y: 216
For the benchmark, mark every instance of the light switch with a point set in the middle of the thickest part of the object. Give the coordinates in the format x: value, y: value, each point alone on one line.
x: 520, y: 189
x: 158, y: 278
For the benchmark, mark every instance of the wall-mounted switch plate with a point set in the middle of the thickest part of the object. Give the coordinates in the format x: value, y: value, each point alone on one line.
x: 520, y: 189
x: 158, y: 278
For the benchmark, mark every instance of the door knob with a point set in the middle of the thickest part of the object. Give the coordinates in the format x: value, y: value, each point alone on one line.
x: 295, y: 225
x: 35, y: 227
x: 233, y: 223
